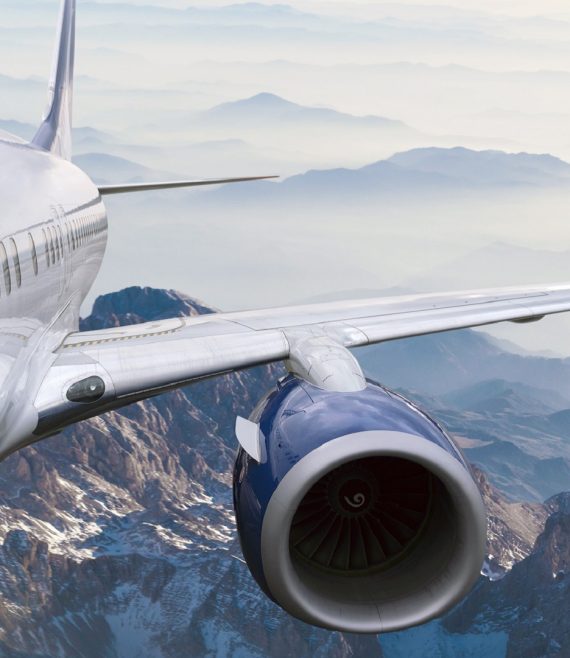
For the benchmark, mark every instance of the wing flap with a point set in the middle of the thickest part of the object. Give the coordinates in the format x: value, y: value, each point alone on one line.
x: 155, y: 364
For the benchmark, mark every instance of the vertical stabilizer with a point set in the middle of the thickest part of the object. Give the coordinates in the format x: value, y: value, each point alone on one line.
x: 55, y: 132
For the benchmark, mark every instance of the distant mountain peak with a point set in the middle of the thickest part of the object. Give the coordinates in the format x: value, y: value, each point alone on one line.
x: 272, y: 106
x: 488, y: 167
x: 429, y: 154
x: 264, y: 100
x: 259, y: 6
x: 268, y: 97
x: 137, y: 304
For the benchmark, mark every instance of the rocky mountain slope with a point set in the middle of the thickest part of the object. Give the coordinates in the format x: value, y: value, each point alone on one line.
x: 118, y: 535
x: 118, y: 538
x: 512, y: 407
x: 530, y: 603
x: 512, y: 528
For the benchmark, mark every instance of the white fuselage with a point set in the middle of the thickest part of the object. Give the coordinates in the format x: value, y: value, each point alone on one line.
x: 53, y: 233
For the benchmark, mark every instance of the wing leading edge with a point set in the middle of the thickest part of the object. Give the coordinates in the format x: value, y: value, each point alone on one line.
x: 139, y: 361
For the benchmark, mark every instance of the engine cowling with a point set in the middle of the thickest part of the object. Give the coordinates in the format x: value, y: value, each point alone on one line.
x: 362, y: 515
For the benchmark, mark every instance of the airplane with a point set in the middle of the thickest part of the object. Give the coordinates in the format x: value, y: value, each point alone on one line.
x: 355, y: 510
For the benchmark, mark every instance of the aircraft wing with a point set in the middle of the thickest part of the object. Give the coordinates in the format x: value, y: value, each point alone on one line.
x: 138, y: 361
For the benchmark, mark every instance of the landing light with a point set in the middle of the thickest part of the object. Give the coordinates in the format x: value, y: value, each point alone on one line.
x: 87, y: 390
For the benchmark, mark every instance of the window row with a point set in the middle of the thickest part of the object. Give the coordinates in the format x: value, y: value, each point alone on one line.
x: 51, y: 242
x: 78, y: 231
x: 9, y: 254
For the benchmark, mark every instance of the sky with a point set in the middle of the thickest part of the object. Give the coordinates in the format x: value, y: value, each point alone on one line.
x: 172, y: 88
x: 510, y: 7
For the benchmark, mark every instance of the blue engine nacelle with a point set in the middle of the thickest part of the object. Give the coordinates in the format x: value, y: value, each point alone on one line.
x: 361, y: 515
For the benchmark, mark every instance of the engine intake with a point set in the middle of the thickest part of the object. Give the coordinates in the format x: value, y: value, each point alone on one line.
x: 364, y: 516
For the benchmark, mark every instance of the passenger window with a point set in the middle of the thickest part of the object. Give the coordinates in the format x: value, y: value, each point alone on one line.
x: 56, y: 242
x: 46, y: 247
x: 5, y: 268
x: 34, y: 253
x: 16, y: 260
x: 51, y: 247
x: 58, y: 229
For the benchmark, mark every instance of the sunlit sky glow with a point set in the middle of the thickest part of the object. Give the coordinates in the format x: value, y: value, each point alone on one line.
x: 483, y: 75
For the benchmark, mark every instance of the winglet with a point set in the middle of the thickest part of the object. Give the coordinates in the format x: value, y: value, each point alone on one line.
x: 54, y: 134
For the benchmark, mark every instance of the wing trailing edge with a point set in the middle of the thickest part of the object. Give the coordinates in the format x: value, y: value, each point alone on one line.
x: 135, y: 362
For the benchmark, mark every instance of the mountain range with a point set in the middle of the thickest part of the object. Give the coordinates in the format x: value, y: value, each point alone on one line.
x: 264, y: 109
x: 118, y: 538
x: 313, y: 136
x: 391, y: 60
x: 512, y: 406
x: 426, y: 171
x: 423, y: 220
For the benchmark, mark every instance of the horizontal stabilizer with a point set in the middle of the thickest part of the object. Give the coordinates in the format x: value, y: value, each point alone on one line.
x: 146, y: 187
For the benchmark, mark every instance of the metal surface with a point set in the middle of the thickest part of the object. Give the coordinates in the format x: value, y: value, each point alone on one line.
x: 106, y: 190
x: 428, y: 580
x: 362, y: 517
x: 323, y: 362
x: 310, y: 432
x: 297, y: 418
x: 54, y: 134
x: 141, y: 359
x: 251, y: 439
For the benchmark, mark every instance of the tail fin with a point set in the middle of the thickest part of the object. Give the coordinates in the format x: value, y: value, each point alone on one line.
x: 54, y: 134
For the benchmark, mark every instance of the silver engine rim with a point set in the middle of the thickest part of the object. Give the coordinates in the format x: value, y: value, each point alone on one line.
x: 434, y: 597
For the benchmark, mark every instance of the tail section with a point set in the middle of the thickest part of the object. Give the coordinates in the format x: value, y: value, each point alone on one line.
x: 54, y: 134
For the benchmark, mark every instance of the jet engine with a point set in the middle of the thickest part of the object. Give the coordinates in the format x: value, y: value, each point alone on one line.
x: 355, y: 510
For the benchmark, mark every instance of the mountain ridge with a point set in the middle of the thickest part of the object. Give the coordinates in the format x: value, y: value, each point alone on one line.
x: 284, y: 109
x: 130, y: 513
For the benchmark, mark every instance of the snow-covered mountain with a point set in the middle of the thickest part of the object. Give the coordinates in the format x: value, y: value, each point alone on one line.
x: 117, y: 537
x: 526, y: 608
